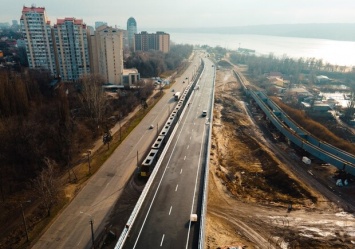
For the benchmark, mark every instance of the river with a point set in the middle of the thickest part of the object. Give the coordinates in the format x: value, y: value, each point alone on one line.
x: 340, y: 53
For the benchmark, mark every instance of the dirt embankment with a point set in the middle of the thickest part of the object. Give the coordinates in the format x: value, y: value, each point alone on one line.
x: 250, y: 189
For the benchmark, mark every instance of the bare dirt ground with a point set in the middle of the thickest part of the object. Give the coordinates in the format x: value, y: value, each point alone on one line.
x: 251, y: 187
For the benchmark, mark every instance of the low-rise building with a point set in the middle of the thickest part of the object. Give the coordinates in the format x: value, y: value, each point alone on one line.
x: 130, y: 77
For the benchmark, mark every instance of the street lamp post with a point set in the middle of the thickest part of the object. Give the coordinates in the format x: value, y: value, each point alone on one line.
x: 92, y: 232
x: 92, y: 229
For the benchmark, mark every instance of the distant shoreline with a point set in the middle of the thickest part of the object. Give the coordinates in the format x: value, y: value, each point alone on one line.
x: 337, y: 31
x: 335, y: 52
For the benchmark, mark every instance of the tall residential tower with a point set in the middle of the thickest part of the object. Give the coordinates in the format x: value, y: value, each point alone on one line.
x: 36, y: 30
x: 72, y: 49
x: 131, y: 30
x: 107, y: 54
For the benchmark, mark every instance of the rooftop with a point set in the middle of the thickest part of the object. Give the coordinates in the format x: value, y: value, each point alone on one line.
x: 70, y: 19
x: 130, y: 71
x: 33, y: 9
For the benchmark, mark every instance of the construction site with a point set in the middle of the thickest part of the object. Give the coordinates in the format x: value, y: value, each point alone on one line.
x: 261, y: 194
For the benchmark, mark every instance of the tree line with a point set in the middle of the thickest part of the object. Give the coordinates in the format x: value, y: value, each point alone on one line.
x: 295, y: 68
x: 38, y: 121
x: 153, y: 63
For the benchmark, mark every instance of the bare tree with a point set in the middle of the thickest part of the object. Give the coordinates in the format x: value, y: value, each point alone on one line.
x: 349, y: 111
x: 93, y: 97
x: 46, y: 185
x: 107, y: 138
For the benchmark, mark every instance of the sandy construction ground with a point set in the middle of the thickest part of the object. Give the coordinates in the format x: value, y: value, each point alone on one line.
x: 251, y: 186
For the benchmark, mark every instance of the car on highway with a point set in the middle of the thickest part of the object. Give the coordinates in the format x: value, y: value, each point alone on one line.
x: 193, y: 217
x: 204, y: 113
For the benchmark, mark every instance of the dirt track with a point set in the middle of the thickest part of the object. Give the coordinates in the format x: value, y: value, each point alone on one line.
x: 250, y: 188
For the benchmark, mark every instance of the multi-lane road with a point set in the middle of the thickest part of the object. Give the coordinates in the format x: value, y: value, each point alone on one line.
x: 71, y: 229
x: 164, y: 219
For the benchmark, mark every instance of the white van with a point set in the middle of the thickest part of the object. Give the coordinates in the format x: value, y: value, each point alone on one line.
x: 193, y: 217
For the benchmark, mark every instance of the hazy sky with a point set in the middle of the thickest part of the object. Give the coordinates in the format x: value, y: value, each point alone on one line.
x: 160, y: 14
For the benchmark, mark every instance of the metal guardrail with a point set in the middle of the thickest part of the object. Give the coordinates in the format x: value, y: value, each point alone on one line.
x: 201, y: 242
x: 142, y: 197
x: 334, y: 159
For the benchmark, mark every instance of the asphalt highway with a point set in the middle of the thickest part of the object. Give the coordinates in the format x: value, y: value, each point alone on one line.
x: 164, y: 220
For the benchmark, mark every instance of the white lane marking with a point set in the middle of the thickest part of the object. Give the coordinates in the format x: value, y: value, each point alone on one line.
x: 176, y: 187
x: 190, y: 138
x: 188, y: 146
x: 180, y: 171
x: 106, y: 185
x: 184, y: 158
x: 170, y: 210
x: 162, y: 239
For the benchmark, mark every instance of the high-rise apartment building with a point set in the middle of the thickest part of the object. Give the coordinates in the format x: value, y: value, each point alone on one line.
x: 72, y: 49
x: 131, y: 30
x: 107, y: 54
x: 163, y: 42
x: 145, y: 41
x: 100, y: 23
x: 15, y: 25
x: 37, y: 33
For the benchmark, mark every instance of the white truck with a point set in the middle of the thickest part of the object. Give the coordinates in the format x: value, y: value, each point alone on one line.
x: 177, y: 96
